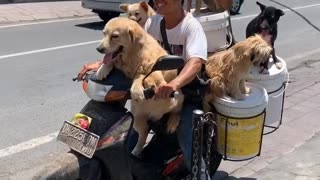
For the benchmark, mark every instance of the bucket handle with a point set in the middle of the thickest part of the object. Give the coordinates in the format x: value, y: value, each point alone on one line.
x: 229, y: 33
x: 285, y: 84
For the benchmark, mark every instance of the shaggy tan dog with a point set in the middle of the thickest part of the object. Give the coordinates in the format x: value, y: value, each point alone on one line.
x: 229, y: 69
x: 138, y: 12
x: 213, y: 5
x: 130, y: 49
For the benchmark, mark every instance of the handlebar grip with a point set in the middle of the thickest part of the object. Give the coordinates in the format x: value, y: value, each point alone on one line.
x: 149, y: 93
x: 174, y: 94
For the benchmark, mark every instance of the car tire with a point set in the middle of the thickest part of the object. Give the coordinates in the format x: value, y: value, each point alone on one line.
x: 107, y: 15
x: 236, y: 5
x: 151, y: 4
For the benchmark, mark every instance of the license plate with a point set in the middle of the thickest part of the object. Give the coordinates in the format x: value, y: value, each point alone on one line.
x: 78, y: 139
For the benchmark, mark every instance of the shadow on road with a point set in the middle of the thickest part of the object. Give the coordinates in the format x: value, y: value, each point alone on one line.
x: 222, y: 175
x: 93, y: 25
x: 296, y: 12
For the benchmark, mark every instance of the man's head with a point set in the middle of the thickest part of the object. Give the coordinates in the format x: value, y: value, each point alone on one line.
x: 166, y: 7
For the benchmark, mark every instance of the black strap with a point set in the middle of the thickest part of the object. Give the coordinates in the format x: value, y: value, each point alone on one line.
x: 164, y: 36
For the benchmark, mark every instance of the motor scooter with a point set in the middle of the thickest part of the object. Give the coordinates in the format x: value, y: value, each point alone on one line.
x: 98, y: 136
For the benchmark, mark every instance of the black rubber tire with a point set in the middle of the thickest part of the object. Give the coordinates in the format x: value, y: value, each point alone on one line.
x: 151, y: 4
x: 236, y: 5
x: 107, y: 15
x: 215, y: 162
x: 216, y: 157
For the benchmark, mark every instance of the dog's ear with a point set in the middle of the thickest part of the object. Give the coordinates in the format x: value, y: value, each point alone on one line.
x: 135, y: 36
x: 144, y: 6
x: 131, y: 35
x: 262, y: 7
x: 246, y: 54
x: 124, y: 7
x: 279, y: 12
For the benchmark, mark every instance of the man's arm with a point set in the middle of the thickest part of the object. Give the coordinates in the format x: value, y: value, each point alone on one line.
x: 187, y: 74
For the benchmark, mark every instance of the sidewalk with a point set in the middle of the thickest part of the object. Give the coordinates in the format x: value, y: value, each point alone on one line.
x: 12, y: 13
x: 302, y: 164
x: 281, y: 158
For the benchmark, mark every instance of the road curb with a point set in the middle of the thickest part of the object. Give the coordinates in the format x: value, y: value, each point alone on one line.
x: 65, y: 167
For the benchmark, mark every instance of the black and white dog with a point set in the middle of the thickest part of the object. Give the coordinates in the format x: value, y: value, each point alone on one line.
x: 265, y: 24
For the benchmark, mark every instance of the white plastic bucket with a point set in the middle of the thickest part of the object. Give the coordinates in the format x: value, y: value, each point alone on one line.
x: 240, y: 124
x: 215, y: 27
x: 275, y: 83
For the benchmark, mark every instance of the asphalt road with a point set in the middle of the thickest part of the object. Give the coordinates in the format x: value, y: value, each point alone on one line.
x: 37, y: 63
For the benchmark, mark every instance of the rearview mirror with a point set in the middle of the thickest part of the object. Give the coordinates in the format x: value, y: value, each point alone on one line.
x: 168, y: 62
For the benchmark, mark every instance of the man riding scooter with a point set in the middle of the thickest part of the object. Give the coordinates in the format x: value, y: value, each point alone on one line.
x: 185, y: 37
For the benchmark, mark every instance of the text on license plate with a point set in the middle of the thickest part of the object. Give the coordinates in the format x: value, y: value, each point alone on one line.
x: 78, y: 139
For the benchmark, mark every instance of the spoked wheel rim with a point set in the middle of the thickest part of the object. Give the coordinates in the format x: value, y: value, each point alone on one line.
x: 235, y: 5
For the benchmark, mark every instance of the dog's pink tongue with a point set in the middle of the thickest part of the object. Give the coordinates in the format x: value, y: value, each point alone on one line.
x: 107, y: 58
x: 266, y: 36
x: 264, y: 32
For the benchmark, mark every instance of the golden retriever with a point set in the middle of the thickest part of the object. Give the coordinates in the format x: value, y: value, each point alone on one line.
x: 139, y: 12
x: 229, y: 69
x: 215, y: 6
x: 130, y: 49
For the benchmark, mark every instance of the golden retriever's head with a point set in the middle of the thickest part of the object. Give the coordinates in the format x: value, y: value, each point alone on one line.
x: 120, y: 35
x: 254, y: 48
x: 138, y: 12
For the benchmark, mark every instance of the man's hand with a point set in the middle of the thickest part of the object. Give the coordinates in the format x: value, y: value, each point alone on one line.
x: 88, y: 67
x: 187, y: 74
x: 165, y: 90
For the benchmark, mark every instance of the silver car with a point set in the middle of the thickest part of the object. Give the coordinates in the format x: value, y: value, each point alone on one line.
x: 107, y: 9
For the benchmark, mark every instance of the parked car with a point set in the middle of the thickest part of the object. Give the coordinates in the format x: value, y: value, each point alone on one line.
x: 107, y: 9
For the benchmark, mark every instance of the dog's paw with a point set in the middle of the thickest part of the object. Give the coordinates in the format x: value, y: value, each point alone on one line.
x: 137, y: 151
x: 278, y: 65
x: 239, y: 96
x: 263, y: 71
x: 137, y: 93
x: 247, y: 90
x: 102, y: 72
x: 137, y: 96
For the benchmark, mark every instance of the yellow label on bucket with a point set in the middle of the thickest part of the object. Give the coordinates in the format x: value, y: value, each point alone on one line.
x: 244, y: 136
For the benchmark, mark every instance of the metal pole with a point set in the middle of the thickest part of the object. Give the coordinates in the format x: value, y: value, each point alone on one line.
x: 197, y: 143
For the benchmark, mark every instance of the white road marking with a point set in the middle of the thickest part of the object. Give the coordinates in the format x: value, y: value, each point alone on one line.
x: 285, y: 10
x: 48, y: 49
x: 27, y: 145
x: 46, y: 22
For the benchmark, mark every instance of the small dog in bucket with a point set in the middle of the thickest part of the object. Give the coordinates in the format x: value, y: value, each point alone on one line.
x: 266, y: 24
x: 229, y: 69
